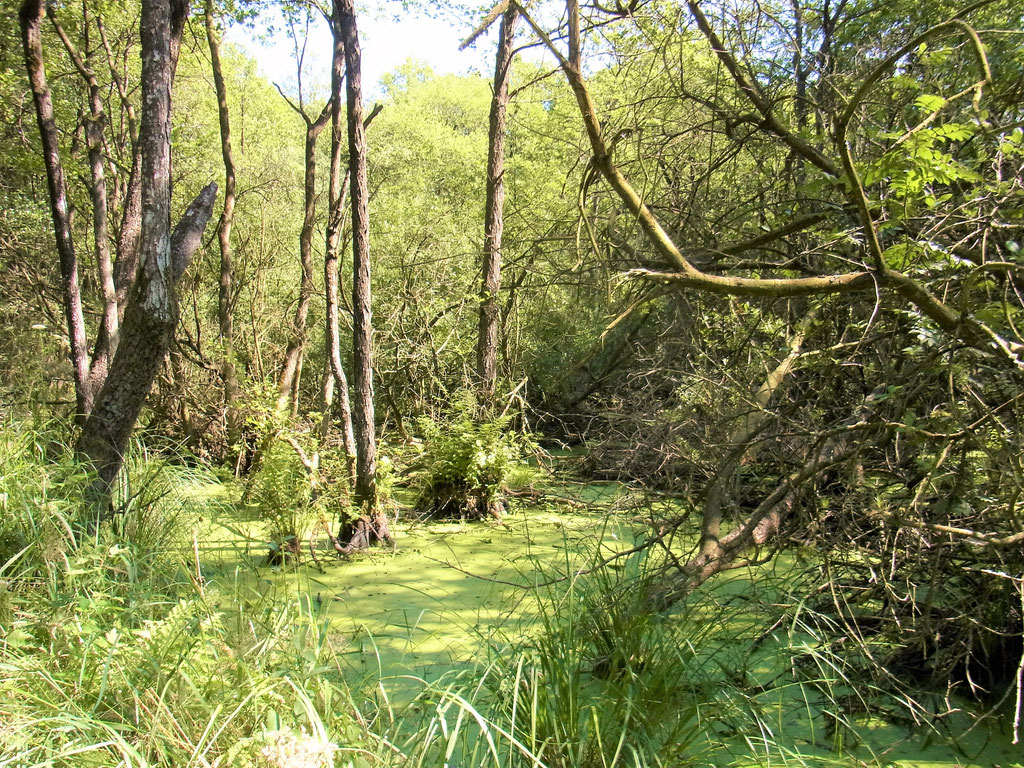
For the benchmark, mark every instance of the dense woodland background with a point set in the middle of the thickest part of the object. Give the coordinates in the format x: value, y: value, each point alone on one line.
x: 760, y: 262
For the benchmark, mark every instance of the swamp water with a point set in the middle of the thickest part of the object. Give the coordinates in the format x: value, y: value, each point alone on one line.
x: 450, y: 595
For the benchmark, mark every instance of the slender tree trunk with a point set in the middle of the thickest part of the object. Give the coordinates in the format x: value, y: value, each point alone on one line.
x: 296, y: 383
x: 106, y: 342
x: 337, y: 188
x: 151, y: 314
x: 293, y: 354
x: 229, y: 375
x: 487, y: 339
x: 291, y: 366
x: 362, y: 333
x: 30, y: 17
x: 327, y: 406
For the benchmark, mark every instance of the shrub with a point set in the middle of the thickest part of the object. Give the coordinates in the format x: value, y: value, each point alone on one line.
x: 296, y: 488
x: 282, y: 493
x: 467, y: 462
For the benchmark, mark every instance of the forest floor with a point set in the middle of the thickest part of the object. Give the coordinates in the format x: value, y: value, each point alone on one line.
x: 448, y: 593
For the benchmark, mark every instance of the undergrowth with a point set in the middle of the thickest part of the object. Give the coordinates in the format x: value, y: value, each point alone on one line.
x: 114, y: 650
x: 468, y: 461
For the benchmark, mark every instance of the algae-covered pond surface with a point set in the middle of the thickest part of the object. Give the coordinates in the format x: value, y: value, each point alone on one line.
x: 432, y: 601
x: 448, y: 591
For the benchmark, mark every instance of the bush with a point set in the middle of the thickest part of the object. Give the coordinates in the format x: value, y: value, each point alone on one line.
x: 296, y: 488
x: 467, y: 462
x: 283, y: 493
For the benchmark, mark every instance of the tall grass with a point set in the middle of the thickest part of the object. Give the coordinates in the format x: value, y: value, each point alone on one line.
x: 113, y: 651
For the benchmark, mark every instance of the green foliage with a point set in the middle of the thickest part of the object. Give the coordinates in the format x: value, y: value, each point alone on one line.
x: 40, y: 492
x: 467, y: 460
x: 112, y: 653
x: 920, y: 161
x: 283, y: 495
x: 298, y: 485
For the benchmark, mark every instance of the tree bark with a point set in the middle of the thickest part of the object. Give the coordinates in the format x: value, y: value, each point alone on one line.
x: 337, y: 188
x: 229, y: 374
x: 487, y: 338
x: 151, y: 314
x: 293, y: 353
x: 362, y: 333
x: 128, y: 239
x: 30, y: 18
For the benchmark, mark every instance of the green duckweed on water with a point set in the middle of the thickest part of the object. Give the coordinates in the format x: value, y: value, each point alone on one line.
x: 448, y: 596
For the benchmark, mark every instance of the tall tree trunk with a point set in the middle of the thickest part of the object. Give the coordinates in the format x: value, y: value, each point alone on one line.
x: 293, y: 354
x: 362, y: 331
x: 30, y: 17
x: 229, y: 375
x: 337, y: 188
x: 126, y: 266
x: 106, y: 341
x: 127, y: 245
x: 487, y: 339
x: 151, y: 314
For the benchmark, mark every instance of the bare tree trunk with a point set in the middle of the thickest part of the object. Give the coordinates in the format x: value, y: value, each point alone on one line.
x: 296, y: 384
x: 291, y: 366
x: 362, y: 332
x: 337, y: 188
x: 293, y: 354
x: 30, y: 17
x: 151, y: 314
x: 106, y: 342
x: 126, y: 266
x: 494, y: 223
x: 127, y: 246
x: 229, y: 375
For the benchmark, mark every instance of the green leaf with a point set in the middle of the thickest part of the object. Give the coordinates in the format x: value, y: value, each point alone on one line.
x: 929, y: 102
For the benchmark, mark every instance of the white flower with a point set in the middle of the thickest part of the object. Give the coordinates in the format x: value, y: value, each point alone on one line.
x: 286, y: 749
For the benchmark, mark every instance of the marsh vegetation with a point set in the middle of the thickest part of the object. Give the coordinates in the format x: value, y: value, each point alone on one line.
x: 651, y: 400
